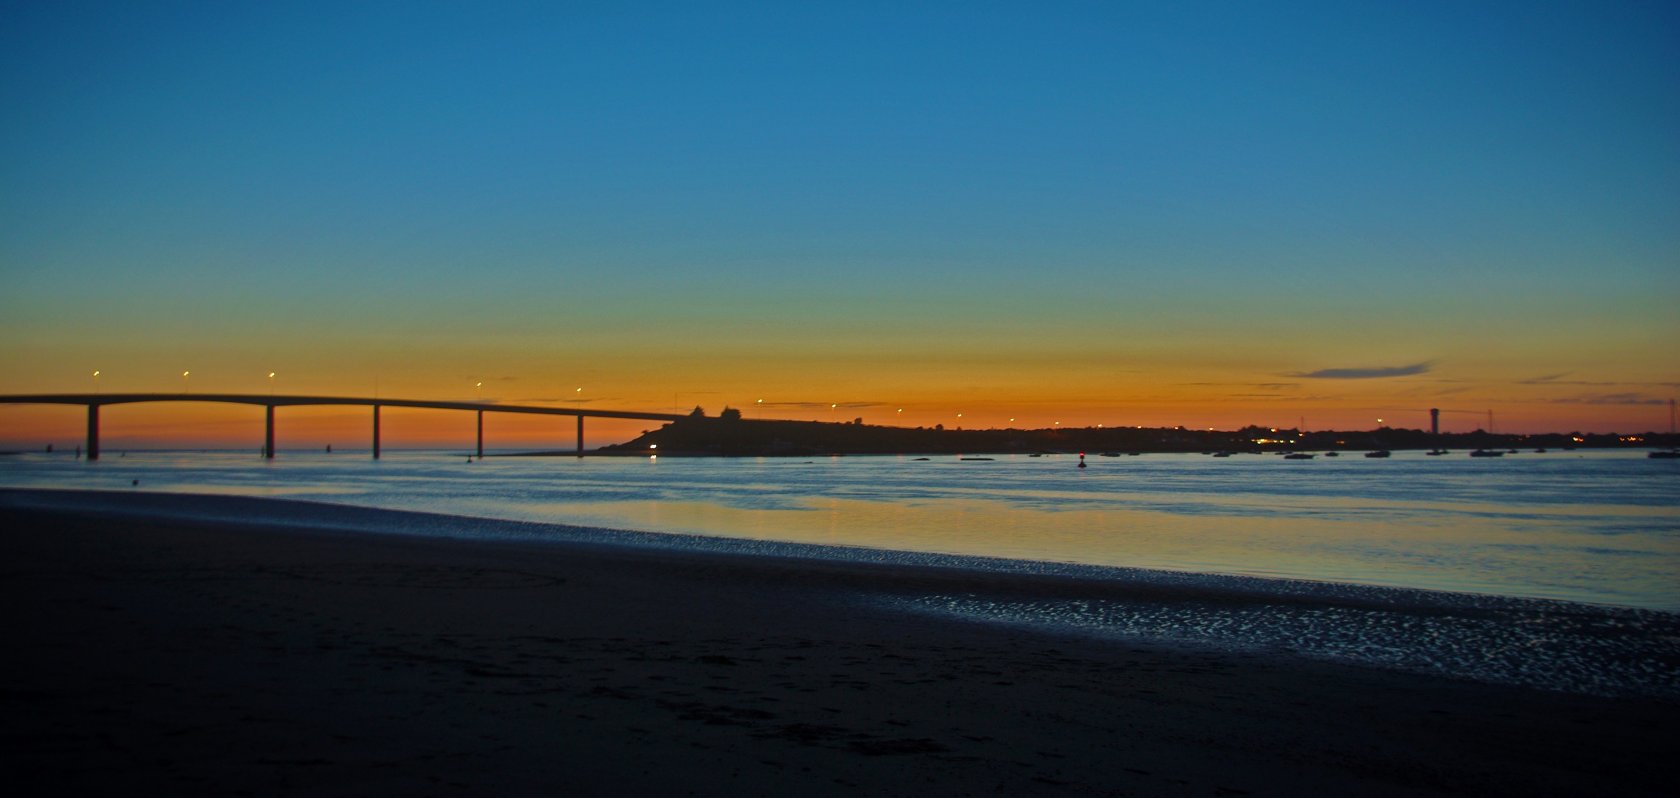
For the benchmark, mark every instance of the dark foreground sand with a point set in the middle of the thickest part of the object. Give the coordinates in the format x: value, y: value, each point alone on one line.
x: 149, y: 655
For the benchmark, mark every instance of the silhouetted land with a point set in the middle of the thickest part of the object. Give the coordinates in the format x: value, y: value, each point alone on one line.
x: 731, y: 435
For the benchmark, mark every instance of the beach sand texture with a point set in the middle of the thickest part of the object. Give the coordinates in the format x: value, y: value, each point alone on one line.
x: 162, y: 654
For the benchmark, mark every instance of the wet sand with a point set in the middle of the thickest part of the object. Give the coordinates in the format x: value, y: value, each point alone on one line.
x: 147, y: 652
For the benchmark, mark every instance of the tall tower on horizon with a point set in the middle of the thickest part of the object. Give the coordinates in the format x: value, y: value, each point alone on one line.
x: 1434, y: 421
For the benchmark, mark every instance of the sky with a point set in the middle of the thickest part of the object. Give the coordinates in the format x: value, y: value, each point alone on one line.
x: 1160, y: 214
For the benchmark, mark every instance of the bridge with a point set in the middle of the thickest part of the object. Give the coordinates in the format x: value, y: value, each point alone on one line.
x: 93, y: 401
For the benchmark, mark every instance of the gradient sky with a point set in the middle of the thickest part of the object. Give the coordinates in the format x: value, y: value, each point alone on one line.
x: 1208, y: 214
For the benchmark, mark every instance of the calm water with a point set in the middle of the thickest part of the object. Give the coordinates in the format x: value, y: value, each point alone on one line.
x: 1597, y: 527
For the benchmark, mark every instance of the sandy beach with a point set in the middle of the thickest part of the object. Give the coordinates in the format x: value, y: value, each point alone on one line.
x: 151, y: 652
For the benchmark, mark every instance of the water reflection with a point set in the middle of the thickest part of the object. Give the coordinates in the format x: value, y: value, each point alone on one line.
x: 1600, y: 526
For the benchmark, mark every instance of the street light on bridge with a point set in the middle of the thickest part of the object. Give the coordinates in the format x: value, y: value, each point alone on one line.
x: 186, y: 387
x: 96, y: 380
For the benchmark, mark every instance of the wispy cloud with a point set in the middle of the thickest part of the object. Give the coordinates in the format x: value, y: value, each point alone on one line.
x: 1558, y: 379
x: 1264, y: 386
x: 1611, y: 399
x: 1367, y: 373
x: 562, y: 400
x: 1271, y: 396
x: 824, y: 405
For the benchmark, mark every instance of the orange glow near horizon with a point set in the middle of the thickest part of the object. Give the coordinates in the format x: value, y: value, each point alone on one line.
x: 1216, y: 365
x: 221, y: 426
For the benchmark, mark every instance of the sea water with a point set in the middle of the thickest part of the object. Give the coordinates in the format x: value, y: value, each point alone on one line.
x: 1559, y: 570
x: 1588, y: 526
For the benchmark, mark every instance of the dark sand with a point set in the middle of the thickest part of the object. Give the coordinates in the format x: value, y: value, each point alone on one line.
x: 145, y: 654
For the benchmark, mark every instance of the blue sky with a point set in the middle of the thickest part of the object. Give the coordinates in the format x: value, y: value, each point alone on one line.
x: 1421, y: 180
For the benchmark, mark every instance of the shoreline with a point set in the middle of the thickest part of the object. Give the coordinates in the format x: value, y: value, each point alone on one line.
x: 204, y: 655
x: 282, y: 511
x: 1569, y: 647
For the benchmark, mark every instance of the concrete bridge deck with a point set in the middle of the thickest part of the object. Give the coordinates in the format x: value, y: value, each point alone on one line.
x: 93, y: 401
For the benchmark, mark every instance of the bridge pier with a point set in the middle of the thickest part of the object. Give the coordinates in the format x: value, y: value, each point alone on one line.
x: 580, y: 436
x: 93, y: 432
x: 376, y: 432
x: 481, y: 434
x: 268, y: 436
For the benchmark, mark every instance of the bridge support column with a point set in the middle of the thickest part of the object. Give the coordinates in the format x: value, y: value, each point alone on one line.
x: 93, y: 432
x: 580, y: 437
x: 268, y: 435
x: 481, y: 434
x: 376, y: 432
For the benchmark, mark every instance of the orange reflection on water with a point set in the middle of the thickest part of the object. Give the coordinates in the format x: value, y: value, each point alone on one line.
x: 1444, y: 546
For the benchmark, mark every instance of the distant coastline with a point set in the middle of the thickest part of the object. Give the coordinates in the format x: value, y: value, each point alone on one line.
x: 730, y: 435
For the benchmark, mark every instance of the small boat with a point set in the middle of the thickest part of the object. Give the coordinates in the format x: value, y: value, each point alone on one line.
x: 1487, y: 453
x: 1541, y: 450
x: 1299, y: 456
x: 1221, y: 454
x: 1437, y: 452
x: 1332, y: 454
x: 976, y: 458
x: 1378, y: 453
